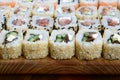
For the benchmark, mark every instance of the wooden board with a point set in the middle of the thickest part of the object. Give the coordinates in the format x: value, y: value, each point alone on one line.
x: 50, y: 66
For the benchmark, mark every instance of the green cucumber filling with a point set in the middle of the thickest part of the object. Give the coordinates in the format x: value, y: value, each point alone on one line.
x: 27, y: 0
x: 34, y: 37
x: 62, y: 38
x: 114, y: 38
x: 89, y: 36
x: 11, y: 36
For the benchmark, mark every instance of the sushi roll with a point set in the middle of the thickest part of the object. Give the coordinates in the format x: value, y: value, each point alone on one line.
x: 87, y: 12
x: 18, y: 22
x: 47, y: 2
x: 70, y: 3
x: 112, y: 3
x: 10, y: 44
x: 111, y: 45
x: 2, y: 23
x: 64, y: 10
x: 66, y: 22
x: 88, y: 3
x: 62, y: 44
x: 10, y: 3
x: 112, y: 23
x: 88, y: 44
x: 21, y: 10
x: 5, y: 11
x: 25, y: 1
x: 35, y: 44
x: 43, y: 10
x: 108, y: 11
x: 42, y: 22
x: 89, y: 24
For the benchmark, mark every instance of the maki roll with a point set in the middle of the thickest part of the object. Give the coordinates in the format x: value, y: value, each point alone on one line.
x: 70, y: 3
x: 64, y: 10
x: 42, y: 22
x: 35, y: 44
x: 25, y: 1
x: 47, y: 2
x: 43, y: 10
x: 108, y: 11
x: 10, y: 44
x: 62, y: 44
x: 10, y: 3
x: 22, y: 10
x: 112, y: 3
x: 66, y: 22
x: 112, y: 23
x: 88, y: 44
x: 2, y: 23
x: 18, y: 22
x: 88, y: 3
x: 89, y: 24
x: 87, y: 12
x: 111, y: 45
x: 5, y: 11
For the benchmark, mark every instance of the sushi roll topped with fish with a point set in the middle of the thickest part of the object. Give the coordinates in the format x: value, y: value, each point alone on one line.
x: 62, y: 44
x: 25, y: 1
x: 64, y: 10
x: 112, y: 3
x: 89, y: 24
x: 42, y: 22
x: 11, y: 44
x: 22, y: 10
x: 66, y: 22
x: 70, y: 2
x: 43, y: 10
x: 18, y: 22
x: 108, y: 11
x: 87, y: 12
x: 88, y: 3
x: 10, y: 3
x: 47, y: 2
x: 112, y: 23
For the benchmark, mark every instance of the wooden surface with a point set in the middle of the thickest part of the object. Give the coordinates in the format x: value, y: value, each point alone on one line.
x: 50, y: 66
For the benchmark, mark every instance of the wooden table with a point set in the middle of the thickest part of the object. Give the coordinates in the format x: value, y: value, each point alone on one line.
x: 50, y: 66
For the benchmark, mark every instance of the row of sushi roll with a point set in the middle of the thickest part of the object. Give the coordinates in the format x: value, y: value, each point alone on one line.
x: 75, y: 3
x: 87, y: 44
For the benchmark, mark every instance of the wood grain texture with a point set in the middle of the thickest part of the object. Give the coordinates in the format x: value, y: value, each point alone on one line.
x: 50, y: 66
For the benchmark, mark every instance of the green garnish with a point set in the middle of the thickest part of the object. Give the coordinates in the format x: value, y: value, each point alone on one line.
x: 14, y: 33
x: 58, y: 40
x: 33, y: 38
x: 84, y: 38
x: 62, y: 37
x: 27, y: 0
x: 10, y: 36
x: 89, y: 36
